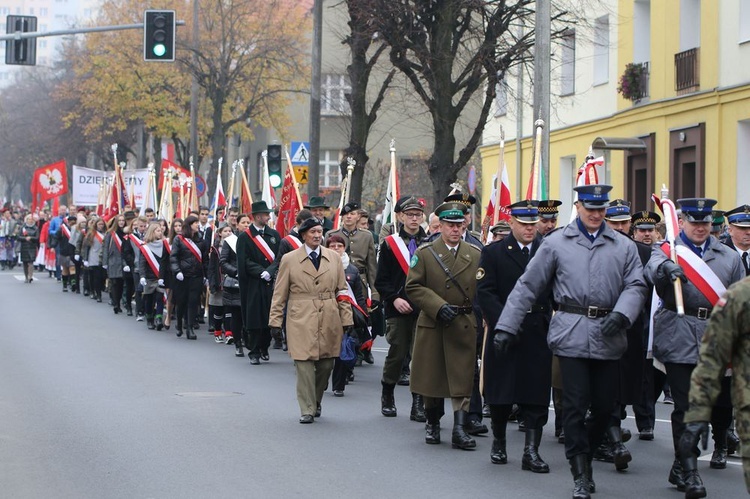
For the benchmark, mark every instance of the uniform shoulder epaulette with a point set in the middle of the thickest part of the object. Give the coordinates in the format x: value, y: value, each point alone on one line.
x: 475, y: 247
x: 476, y: 234
x: 425, y: 244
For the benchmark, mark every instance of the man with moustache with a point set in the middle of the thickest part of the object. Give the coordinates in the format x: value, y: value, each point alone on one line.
x: 522, y: 375
x: 598, y: 286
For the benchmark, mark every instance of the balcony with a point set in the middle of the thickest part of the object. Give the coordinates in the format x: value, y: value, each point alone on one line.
x: 634, y: 82
x: 644, y: 79
x: 687, y: 71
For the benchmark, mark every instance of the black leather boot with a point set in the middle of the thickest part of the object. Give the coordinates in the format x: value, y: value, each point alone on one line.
x: 190, y: 334
x: 461, y: 439
x: 531, y: 460
x: 178, y: 328
x: 620, y: 454
x: 675, y: 475
x: 498, y: 454
x: 719, y: 457
x: 387, y: 401
x: 733, y: 441
x: 432, y: 427
x: 580, y: 482
x: 694, y: 488
x: 150, y: 323
x: 417, y: 408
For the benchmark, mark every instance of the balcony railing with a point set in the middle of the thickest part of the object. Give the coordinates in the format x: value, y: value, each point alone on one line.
x: 687, y: 71
x: 643, y: 86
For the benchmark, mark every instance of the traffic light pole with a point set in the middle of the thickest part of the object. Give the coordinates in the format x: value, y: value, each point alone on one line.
x: 40, y: 34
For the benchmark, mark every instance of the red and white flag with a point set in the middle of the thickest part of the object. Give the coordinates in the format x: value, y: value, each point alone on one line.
x: 493, y: 214
x: 587, y: 175
x: 48, y: 182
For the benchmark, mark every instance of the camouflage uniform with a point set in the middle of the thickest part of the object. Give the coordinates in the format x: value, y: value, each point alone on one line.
x: 726, y: 340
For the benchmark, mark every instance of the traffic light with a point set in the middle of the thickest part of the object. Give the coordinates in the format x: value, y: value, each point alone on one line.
x: 21, y: 52
x: 158, y: 35
x: 274, y: 164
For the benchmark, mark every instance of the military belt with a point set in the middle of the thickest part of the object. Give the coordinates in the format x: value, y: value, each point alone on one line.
x: 538, y: 309
x: 324, y: 295
x: 701, y: 313
x: 591, y: 312
x: 461, y: 310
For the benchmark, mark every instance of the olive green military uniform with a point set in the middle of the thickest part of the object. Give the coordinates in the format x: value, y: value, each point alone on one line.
x: 360, y: 245
x: 726, y: 341
x: 444, y: 354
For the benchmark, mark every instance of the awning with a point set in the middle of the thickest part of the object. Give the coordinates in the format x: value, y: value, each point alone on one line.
x: 618, y: 143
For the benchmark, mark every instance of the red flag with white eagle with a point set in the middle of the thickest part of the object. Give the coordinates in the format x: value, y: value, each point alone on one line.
x: 49, y: 182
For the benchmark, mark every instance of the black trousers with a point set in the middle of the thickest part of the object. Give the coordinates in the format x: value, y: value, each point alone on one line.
x: 96, y: 276
x: 216, y: 316
x: 233, y: 323
x: 129, y: 286
x: 475, y: 403
x: 187, y: 300
x: 153, y: 304
x: 534, y: 416
x: 115, y: 291
x: 258, y: 340
x: 340, y: 373
x: 587, y: 383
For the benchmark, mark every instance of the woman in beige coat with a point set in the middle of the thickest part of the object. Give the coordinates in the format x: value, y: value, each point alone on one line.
x: 311, y: 286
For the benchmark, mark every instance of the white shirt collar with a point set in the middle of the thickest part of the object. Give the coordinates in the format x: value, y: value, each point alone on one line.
x: 259, y: 229
x: 309, y: 250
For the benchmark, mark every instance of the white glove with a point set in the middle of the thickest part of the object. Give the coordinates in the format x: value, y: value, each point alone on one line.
x: 105, y: 267
x: 126, y: 268
x: 77, y: 257
x: 143, y: 281
x: 160, y: 282
x: 265, y: 275
x: 205, y: 281
x: 85, y: 263
x: 179, y: 276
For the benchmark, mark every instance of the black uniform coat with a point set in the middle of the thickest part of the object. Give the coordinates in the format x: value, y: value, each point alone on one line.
x: 523, y: 375
x: 256, y: 293
x: 228, y: 265
x: 390, y: 280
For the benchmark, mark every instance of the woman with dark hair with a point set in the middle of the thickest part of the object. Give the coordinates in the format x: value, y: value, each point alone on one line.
x: 215, y: 285
x: 188, y: 262
x: 231, y: 287
x: 113, y: 262
x: 342, y: 370
x: 28, y: 235
x: 166, y: 272
x: 92, y: 250
x: 154, y: 256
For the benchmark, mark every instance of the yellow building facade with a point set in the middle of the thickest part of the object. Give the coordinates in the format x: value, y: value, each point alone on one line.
x: 691, y: 129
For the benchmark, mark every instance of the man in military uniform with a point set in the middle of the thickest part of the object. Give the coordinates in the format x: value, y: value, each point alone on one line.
x: 676, y: 338
x: 442, y: 284
x: 521, y: 376
x: 548, y: 214
x: 396, y: 252
x: 318, y: 207
x: 257, y: 266
x: 726, y: 341
x: 500, y: 230
x: 739, y: 233
x: 598, y: 286
x: 717, y: 224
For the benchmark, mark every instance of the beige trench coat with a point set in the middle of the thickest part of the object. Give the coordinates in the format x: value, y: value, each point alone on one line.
x: 315, y: 319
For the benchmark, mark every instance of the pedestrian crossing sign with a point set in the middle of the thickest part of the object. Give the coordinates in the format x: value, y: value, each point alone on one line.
x: 300, y: 153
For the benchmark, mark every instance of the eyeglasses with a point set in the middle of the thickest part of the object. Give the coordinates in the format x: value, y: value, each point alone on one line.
x: 413, y: 215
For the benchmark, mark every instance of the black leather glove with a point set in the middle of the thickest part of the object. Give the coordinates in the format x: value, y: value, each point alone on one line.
x: 613, y: 324
x: 695, y: 431
x: 276, y: 333
x: 503, y: 341
x: 446, y: 313
x: 672, y: 271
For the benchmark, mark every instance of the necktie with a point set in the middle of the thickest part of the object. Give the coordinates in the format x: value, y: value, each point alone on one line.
x: 453, y: 252
x: 746, y: 263
x: 260, y: 232
x: 315, y: 259
x: 525, y: 252
x: 412, y: 246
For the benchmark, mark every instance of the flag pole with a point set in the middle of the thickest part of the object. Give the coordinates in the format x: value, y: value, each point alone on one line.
x: 499, y: 179
x: 293, y: 176
x: 230, y: 201
x: 216, y: 200
x: 533, y: 190
x: 393, y: 179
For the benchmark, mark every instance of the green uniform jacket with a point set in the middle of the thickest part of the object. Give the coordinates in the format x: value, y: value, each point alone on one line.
x: 360, y: 246
x: 726, y: 340
x: 444, y: 354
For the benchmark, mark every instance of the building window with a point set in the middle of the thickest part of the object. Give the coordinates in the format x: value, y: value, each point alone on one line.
x: 333, y: 90
x: 329, y: 171
x: 690, y: 24
x: 43, y: 11
x: 5, y: 10
x: 601, y: 50
x: 501, y: 98
x: 744, y: 22
x: 31, y: 11
x: 42, y: 44
x: 568, y: 64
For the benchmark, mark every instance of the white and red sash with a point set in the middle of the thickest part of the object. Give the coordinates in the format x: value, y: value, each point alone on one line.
x: 349, y: 296
x: 698, y: 273
x: 99, y: 237
x: 293, y: 241
x: 151, y: 259
x: 167, y: 246
x: 262, y: 246
x: 117, y: 240
x: 192, y: 247
x: 135, y: 239
x: 65, y: 230
x: 399, y: 250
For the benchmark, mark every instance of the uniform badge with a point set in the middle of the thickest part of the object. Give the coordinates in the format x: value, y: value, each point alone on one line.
x: 413, y: 261
x: 480, y: 273
x: 273, y: 240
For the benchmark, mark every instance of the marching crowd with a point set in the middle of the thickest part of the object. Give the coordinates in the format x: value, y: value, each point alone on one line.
x: 577, y: 314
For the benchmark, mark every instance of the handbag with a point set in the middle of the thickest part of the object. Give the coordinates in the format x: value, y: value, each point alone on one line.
x: 230, y: 282
x: 348, y: 353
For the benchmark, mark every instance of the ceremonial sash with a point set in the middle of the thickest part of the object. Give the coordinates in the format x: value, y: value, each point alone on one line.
x: 192, y: 247
x: 99, y: 237
x: 167, y: 245
x: 65, y: 230
x: 399, y: 250
x: 293, y: 241
x: 349, y: 296
x: 262, y: 246
x: 232, y: 242
x: 151, y: 259
x: 698, y: 273
x: 117, y: 240
x: 135, y: 239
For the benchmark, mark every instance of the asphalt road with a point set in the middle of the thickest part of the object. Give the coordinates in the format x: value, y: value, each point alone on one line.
x: 94, y: 405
